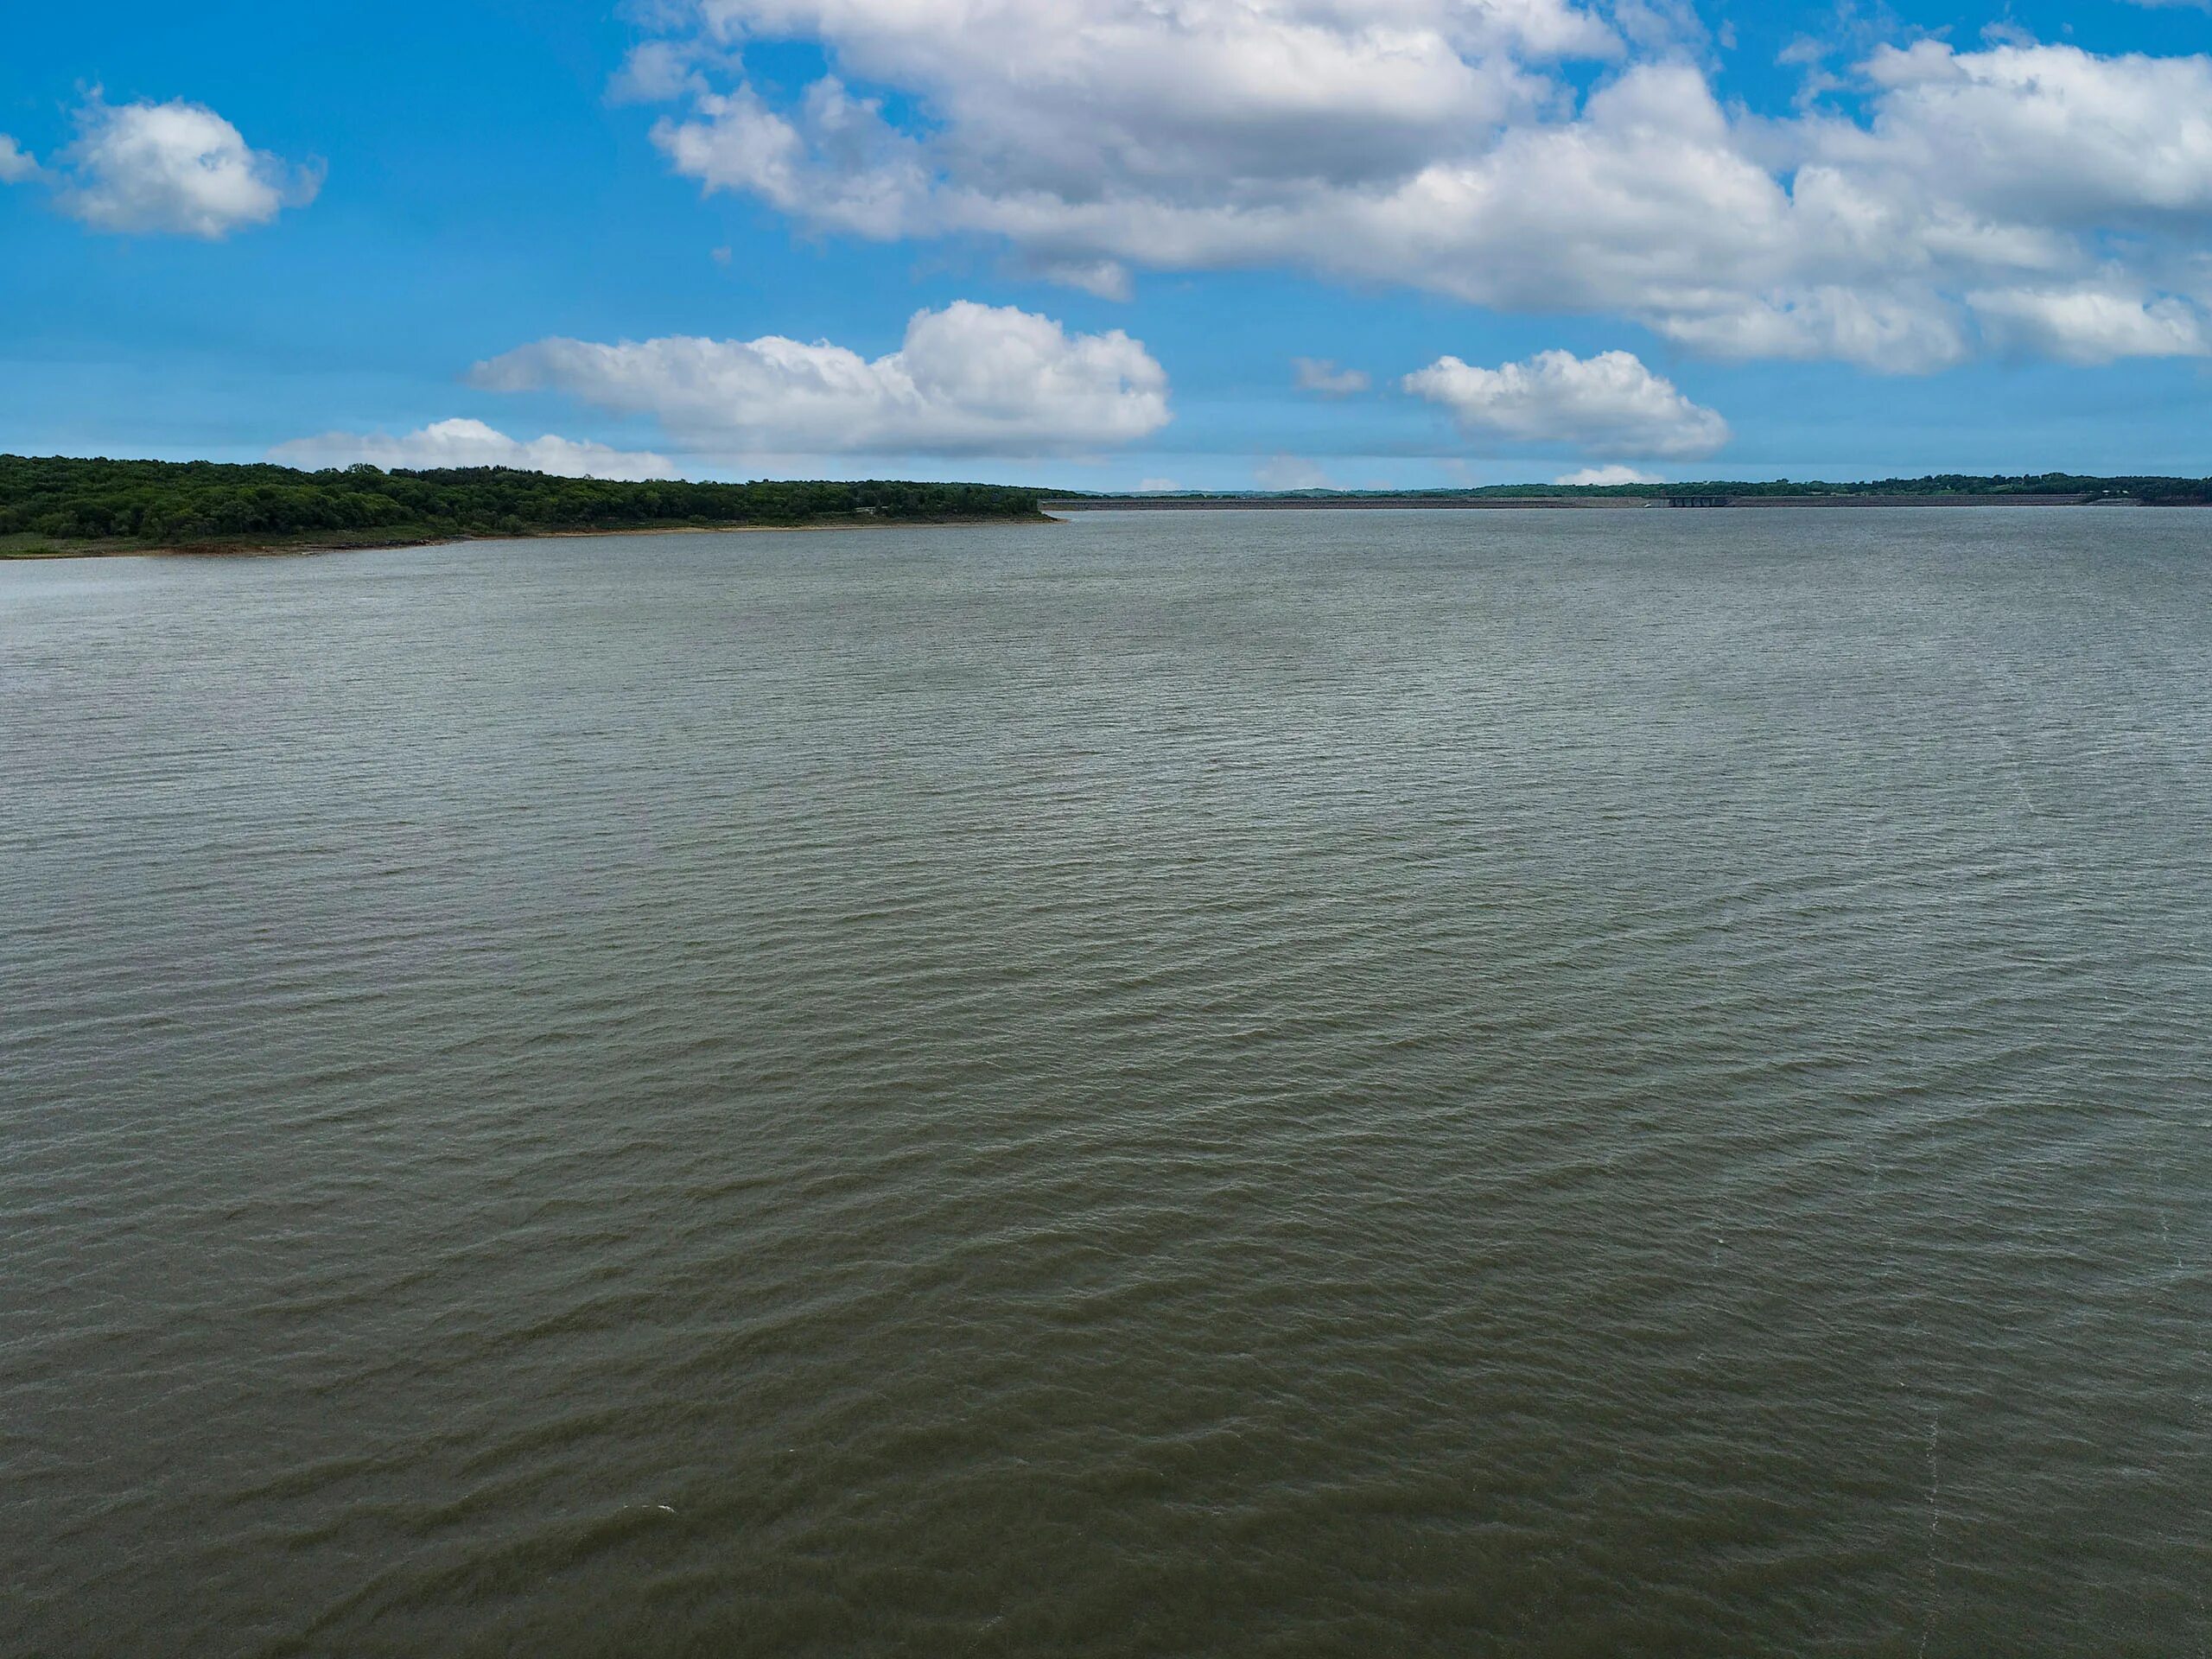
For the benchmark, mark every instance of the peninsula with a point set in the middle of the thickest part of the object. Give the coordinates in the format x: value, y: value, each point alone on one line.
x: 54, y: 506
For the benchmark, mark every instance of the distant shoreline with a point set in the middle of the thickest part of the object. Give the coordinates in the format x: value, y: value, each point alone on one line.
x: 1687, y: 501
x: 57, y: 506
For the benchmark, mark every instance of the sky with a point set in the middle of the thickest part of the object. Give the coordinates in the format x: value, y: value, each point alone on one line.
x: 1111, y: 244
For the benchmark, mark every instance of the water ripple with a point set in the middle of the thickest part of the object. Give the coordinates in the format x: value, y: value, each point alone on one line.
x: 1364, y: 1083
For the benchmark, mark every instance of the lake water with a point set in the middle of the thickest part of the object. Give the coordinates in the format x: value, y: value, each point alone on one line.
x: 1427, y: 1082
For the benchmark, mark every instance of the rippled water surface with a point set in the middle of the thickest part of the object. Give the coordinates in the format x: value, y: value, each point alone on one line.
x: 1330, y: 1084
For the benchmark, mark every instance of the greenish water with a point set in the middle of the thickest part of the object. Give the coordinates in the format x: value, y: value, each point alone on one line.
x: 1365, y: 1083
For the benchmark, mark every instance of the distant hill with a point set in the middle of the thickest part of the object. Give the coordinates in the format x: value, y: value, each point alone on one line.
x: 61, y: 504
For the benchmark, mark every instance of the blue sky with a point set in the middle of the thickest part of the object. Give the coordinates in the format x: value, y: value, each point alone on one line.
x: 1514, y: 238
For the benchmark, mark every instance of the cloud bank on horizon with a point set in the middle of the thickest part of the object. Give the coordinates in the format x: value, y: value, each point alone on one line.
x: 461, y: 443
x: 970, y: 379
x: 1563, y: 237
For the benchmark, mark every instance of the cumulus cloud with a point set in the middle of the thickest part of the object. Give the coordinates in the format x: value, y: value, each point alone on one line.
x: 1292, y: 472
x: 1318, y: 374
x: 968, y: 379
x: 2032, y: 135
x: 1033, y: 97
x: 14, y: 165
x: 1609, y: 405
x: 472, y: 444
x: 2090, y: 324
x: 656, y: 73
x: 1614, y: 474
x: 174, y: 168
x: 835, y: 162
x: 1444, y: 144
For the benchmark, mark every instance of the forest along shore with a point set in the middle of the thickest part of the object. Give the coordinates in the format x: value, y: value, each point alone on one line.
x: 57, y: 506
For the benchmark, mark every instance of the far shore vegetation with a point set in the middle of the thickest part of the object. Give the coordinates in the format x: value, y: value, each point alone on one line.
x: 56, y: 506
x: 2156, y: 492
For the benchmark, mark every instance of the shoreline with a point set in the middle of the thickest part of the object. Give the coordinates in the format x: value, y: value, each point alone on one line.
x: 239, y: 550
x: 1687, y: 500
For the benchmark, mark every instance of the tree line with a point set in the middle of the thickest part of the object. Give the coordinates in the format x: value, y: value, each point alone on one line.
x: 171, y: 503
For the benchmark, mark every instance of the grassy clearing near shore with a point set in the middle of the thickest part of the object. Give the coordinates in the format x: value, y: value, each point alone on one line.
x: 27, y: 546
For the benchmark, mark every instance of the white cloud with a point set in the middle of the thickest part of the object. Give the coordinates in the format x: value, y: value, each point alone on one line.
x: 1609, y: 405
x: 2088, y: 325
x: 656, y: 71
x: 2034, y: 134
x: 1157, y: 486
x: 1292, y: 472
x: 1913, y: 331
x: 969, y: 379
x: 1439, y: 143
x: 1615, y: 473
x: 173, y: 168
x: 1035, y: 96
x: 841, y: 166
x: 1109, y: 279
x: 1320, y: 374
x: 14, y: 165
x: 472, y: 444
